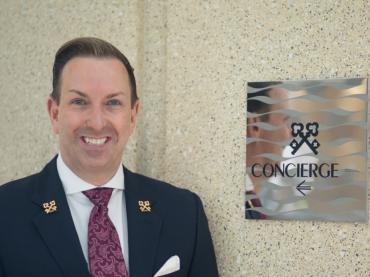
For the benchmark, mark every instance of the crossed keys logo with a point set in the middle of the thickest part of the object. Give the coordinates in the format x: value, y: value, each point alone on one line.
x: 312, y: 129
x: 144, y: 206
x: 50, y: 207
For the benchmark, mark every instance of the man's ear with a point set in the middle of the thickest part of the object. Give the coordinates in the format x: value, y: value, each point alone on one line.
x: 134, y: 111
x: 53, y: 111
x: 253, y: 131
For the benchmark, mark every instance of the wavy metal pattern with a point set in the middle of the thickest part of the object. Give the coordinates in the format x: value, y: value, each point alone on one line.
x: 340, y: 108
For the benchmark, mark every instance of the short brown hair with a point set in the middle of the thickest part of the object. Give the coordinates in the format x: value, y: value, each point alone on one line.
x: 89, y: 47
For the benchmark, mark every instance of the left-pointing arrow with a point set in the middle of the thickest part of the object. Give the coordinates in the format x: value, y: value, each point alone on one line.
x: 300, y: 188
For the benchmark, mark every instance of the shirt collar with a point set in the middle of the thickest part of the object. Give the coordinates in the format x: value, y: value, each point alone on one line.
x: 73, y: 184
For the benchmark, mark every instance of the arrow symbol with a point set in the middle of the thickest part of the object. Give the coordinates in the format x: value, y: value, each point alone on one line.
x: 299, y: 187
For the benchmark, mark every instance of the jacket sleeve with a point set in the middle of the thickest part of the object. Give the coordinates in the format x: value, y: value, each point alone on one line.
x: 1, y: 270
x: 204, y: 259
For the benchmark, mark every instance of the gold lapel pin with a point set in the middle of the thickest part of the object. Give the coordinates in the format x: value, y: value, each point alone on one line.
x: 144, y: 206
x: 50, y: 207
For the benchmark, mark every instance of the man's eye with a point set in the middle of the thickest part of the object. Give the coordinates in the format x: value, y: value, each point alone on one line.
x: 114, y: 102
x: 78, y: 101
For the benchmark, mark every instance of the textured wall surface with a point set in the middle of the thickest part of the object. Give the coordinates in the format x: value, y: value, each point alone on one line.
x: 192, y: 60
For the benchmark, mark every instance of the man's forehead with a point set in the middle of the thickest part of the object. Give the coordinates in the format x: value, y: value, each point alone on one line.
x: 85, y: 60
x: 95, y: 68
x: 83, y: 75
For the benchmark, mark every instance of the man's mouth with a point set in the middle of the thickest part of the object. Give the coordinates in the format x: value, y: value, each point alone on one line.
x: 95, y: 141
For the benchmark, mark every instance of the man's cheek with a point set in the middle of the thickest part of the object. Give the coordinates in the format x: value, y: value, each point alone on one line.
x: 56, y: 128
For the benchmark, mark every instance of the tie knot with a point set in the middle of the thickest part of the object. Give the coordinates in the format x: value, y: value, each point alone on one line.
x: 99, y: 196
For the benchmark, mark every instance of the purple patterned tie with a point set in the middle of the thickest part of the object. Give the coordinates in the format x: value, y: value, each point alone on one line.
x: 105, y: 254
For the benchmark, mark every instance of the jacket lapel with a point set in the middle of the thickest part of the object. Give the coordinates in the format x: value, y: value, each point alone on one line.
x: 56, y: 227
x: 143, y: 226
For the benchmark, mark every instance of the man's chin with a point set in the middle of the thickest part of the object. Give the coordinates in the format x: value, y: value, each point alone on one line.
x: 96, y: 164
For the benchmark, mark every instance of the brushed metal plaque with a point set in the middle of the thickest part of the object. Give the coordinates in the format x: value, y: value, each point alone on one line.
x: 306, y: 150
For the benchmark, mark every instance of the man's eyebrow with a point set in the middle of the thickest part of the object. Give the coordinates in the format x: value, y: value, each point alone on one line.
x: 78, y: 92
x: 82, y: 94
x: 118, y: 93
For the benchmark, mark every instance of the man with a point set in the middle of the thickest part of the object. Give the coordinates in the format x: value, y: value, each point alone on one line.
x: 85, y: 214
x: 261, y: 140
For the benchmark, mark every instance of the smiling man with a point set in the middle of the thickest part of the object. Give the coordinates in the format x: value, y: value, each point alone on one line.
x: 85, y: 214
x: 93, y: 116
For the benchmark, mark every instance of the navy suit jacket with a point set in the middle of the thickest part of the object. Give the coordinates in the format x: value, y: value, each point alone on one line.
x: 36, y: 244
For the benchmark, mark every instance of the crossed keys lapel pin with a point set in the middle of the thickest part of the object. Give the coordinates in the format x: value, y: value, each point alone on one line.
x: 50, y: 207
x: 144, y: 206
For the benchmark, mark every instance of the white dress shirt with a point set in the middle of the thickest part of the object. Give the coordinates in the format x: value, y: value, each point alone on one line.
x: 80, y: 206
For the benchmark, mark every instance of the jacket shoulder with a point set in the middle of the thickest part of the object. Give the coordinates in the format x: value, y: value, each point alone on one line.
x: 15, y: 201
x: 19, y: 186
x: 158, y: 187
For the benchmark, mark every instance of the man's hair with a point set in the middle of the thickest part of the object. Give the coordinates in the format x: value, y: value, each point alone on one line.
x: 257, y: 106
x: 88, y: 47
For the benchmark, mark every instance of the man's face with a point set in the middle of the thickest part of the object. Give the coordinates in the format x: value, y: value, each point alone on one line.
x: 94, y: 118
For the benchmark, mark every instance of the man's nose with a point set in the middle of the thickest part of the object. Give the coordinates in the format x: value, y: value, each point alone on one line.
x: 96, y: 119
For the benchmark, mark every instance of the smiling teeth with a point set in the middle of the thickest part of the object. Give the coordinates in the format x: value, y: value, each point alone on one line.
x: 95, y: 141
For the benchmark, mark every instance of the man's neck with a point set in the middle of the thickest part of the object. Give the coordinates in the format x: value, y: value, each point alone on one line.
x: 93, y: 176
x: 96, y: 179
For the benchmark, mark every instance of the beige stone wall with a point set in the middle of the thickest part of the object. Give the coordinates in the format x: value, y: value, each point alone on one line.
x: 192, y: 60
